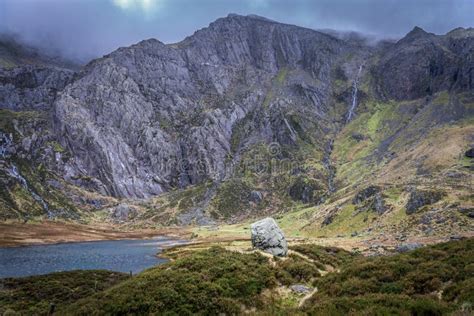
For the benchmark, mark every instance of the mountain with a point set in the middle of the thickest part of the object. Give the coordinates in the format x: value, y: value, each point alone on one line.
x: 248, y: 117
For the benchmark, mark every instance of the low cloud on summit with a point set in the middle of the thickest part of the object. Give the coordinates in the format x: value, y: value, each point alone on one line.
x: 84, y: 29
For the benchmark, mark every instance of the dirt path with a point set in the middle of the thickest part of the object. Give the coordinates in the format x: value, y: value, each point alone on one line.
x: 18, y: 234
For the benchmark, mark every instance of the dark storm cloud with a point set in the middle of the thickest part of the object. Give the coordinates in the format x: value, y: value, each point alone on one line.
x: 89, y: 28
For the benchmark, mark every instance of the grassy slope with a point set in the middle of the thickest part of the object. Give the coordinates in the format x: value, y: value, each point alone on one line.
x: 401, y: 147
x: 433, y: 280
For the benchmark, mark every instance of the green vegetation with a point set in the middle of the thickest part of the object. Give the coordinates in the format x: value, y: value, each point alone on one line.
x: 56, y: 147
x: 34, y: 295
x: 324, y: 256
x: 268, y: 99
x: 232, y: 198
x: 442, y: 98
x: 8, y: 119
x: 205, y: 283
x: 428, y: 281
x: 296, y: 270
x: 433, y: 280
x: 281, y: 76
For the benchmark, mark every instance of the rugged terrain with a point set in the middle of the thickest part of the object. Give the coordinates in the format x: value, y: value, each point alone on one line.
x: 312, y: 280
x: 245, y: 118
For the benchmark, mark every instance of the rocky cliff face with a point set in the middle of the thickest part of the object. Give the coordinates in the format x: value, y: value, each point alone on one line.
x: 423, y: 63
x: 151, y: 117
x: 243, y: 108
x: 32, y: 87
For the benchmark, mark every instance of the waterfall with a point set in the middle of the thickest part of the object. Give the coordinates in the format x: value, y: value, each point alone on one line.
x: 350, y: 113
x: 13, y: 172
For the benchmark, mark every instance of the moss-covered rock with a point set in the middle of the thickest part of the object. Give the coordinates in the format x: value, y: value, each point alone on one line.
x: 305, y: 190
x: 419, y: 198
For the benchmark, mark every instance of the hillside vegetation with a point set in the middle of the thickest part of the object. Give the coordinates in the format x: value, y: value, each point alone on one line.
x: 433, y: 280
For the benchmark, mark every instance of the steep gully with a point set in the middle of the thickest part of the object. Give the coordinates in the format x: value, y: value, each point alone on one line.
x: 330, y: 169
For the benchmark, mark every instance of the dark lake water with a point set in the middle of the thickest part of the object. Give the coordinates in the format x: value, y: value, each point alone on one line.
x: 116, y: 255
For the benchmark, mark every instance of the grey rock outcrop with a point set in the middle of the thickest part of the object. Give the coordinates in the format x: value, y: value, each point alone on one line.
x: 423, y: 63
x: 469, y: 153
x: 365, y: 194
x: 195, y: 216
x: 256, y: 196
x: 300, y: 289
x: 123, y: 212
x: 267, y: 236
x: 31, y: 87
x: 420, y: 198
x: 371, y: 198
x: 407, y: 247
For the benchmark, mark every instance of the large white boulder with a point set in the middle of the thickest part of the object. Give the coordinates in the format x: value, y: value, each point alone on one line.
x: 267, y: 236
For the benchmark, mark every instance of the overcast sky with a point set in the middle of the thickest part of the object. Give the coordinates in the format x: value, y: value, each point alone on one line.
x: 82, y: 29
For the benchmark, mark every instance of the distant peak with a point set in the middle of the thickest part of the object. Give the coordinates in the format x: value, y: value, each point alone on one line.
x: 416, y: 31
x: 461, y: 32
x: 249, y: 16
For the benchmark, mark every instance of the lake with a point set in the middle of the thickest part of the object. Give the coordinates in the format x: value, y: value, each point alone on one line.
x: 115, y: 255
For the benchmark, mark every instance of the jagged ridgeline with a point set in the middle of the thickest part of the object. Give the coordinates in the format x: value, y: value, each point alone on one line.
x: 245, y: 117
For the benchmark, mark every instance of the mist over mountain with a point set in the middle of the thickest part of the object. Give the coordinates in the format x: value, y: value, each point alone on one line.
x: 83, y: 30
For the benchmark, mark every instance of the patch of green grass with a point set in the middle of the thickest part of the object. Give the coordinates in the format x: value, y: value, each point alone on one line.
x: 189, y: 197
x: 232, y: 198
x: 348, y: 221
x: 56, y: 199
x: 7, y: 119
x: 442, y: 98
x: 291, y: 222
x: 56, y: 147
x: 281, y: 76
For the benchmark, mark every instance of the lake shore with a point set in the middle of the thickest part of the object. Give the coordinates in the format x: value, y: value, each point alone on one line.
x: 14, y: 234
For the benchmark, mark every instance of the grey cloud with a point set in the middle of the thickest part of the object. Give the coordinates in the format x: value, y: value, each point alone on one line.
x: 83, y: 29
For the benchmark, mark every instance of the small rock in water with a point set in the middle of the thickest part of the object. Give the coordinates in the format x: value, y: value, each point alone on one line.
x: 267, y: 236
x: 300, y: 289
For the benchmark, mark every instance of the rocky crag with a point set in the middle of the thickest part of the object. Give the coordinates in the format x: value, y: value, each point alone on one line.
x: 244, y: 118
